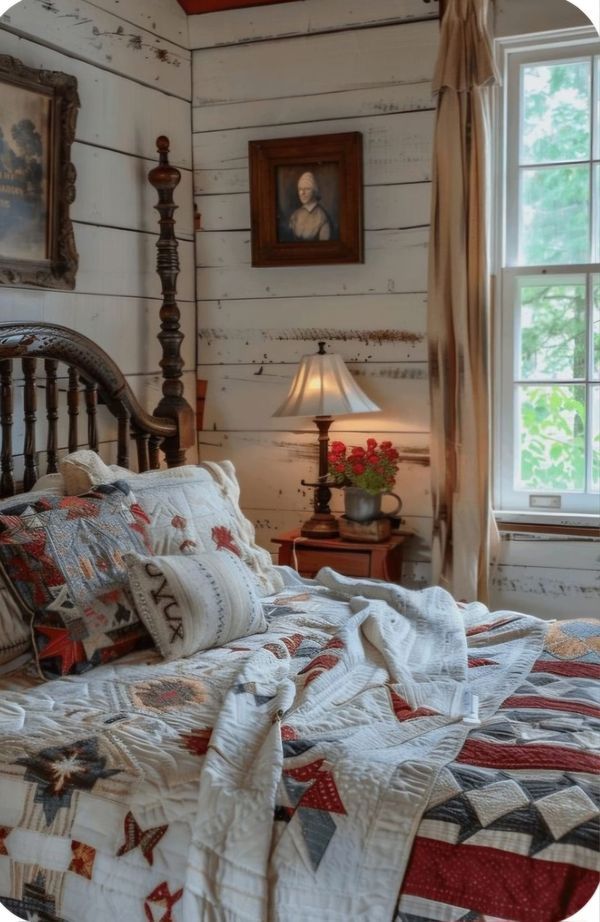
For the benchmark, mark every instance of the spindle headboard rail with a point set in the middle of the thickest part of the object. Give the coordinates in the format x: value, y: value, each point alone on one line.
x: 91, y: 371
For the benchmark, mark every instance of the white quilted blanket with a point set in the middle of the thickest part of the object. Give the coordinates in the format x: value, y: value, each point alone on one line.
x: 365, y: 734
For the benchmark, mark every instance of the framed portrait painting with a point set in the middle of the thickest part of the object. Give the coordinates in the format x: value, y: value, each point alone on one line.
x: 38, y: 112
x: 306, y: 200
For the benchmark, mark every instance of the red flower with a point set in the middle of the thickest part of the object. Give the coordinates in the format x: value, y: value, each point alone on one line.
x: 373, y: 469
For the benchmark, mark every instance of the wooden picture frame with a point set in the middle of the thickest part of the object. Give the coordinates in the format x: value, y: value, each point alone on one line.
x: 306, y: 200
x: 38, y: 115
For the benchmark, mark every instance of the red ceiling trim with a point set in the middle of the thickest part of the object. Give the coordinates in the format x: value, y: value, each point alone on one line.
x: 212, y: 6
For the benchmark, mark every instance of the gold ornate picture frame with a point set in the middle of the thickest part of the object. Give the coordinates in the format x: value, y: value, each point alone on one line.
x: 38, y: 115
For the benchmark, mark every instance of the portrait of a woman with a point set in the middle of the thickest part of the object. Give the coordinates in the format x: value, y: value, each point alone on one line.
x: 308, y: 203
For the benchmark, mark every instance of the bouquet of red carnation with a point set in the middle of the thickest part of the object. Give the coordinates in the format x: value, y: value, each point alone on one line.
x: 373, y: 468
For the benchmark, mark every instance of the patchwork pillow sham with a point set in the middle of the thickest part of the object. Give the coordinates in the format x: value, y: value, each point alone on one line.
x: 15, y: 636
x: 63, y: 557
x: 192, y: 509
x: 194, y: 603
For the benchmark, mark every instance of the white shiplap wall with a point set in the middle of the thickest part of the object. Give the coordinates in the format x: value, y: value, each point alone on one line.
x: 299, y: 69
x: 313, y: 67
x: 133, y: 67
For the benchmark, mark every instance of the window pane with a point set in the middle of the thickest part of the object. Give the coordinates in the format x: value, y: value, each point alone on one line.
x: 555, y: 216
x: 596, y: 323
x: 596, y: 212
x: 553, y: 331
x: 556, y: 112
x: 596, y: 117
x: 596, y: 441
x: 551, y: 438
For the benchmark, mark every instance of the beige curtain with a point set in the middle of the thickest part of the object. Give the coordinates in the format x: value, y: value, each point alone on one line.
x: 459, y: 304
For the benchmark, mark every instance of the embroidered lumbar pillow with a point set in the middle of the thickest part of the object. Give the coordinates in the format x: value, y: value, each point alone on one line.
x: 196, y: 602
x: 63, y: 556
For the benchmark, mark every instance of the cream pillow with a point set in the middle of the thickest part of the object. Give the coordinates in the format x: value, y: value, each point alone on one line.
x: 192, y: 509
x: 82, y: 470
x: 194, y: 603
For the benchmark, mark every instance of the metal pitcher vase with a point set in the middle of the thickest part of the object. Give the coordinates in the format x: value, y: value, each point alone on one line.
x: 361, y: 506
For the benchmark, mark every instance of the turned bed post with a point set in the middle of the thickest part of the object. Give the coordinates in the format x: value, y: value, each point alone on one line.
x: 173, y: 405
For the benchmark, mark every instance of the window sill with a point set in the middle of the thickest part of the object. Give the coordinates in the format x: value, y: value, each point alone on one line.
x: 567, y: 524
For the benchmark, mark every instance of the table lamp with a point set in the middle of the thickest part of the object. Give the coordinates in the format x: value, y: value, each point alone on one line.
x: 323, y: 388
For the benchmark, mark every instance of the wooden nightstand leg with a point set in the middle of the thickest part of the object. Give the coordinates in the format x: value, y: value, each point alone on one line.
x: 378, y: 563
x: 285, y: 555
x: 393, y: 565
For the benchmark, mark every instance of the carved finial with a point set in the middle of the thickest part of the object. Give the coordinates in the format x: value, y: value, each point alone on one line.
x: 165, y: 179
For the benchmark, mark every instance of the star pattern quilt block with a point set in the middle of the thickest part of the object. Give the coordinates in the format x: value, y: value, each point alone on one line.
x: 63, y: 557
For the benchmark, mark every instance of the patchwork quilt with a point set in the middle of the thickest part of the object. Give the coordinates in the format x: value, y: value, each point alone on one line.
x: 214, y: 787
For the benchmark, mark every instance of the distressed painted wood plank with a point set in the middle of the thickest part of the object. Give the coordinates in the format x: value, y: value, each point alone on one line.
x: 270, y: 466
x: 396, y: 149
x: 301, y: 18
x: 385, y: 207
x: 385, y: 328
x: 550, y: 550
x: 165, y: 18
x: 122, y: 127
x: 119, y: 262
x: 549, y: 592
x: 395, y: 261
x: 353, y: 60
x: 242, y: 397
x: 125, y: 327
x: 93, y: 35
x: 335, y: 104
x: 113, y: 191
x: 513, y: 17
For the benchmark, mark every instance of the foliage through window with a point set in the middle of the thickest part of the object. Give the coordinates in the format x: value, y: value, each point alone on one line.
x: 549, y: 406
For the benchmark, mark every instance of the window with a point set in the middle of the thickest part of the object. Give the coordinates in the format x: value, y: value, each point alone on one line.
x: 548, y: 403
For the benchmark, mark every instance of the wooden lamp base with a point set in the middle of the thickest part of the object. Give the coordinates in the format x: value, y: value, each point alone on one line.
x: 320, y: 525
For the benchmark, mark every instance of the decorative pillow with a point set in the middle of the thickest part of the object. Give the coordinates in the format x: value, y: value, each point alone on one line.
x: 193, y: 603
x: 64, y: 559
x: 15, y: 636
x: 192, y: 509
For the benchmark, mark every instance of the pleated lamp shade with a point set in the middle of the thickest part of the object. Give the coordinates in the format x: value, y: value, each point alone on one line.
x: 323, y: 386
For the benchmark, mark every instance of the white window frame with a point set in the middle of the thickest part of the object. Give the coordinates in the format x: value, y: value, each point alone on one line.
x: 511, y: 53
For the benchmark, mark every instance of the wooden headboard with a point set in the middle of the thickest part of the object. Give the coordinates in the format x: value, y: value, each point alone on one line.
x: 77, y: 365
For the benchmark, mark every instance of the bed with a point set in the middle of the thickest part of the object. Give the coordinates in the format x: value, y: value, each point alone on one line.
x: 366, y: 752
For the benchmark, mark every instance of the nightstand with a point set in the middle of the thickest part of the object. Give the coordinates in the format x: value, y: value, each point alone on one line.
x: 352, y: 558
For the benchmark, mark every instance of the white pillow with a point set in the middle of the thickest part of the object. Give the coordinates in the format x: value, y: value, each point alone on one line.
x: 192, y: 509
x: 194, y: 603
